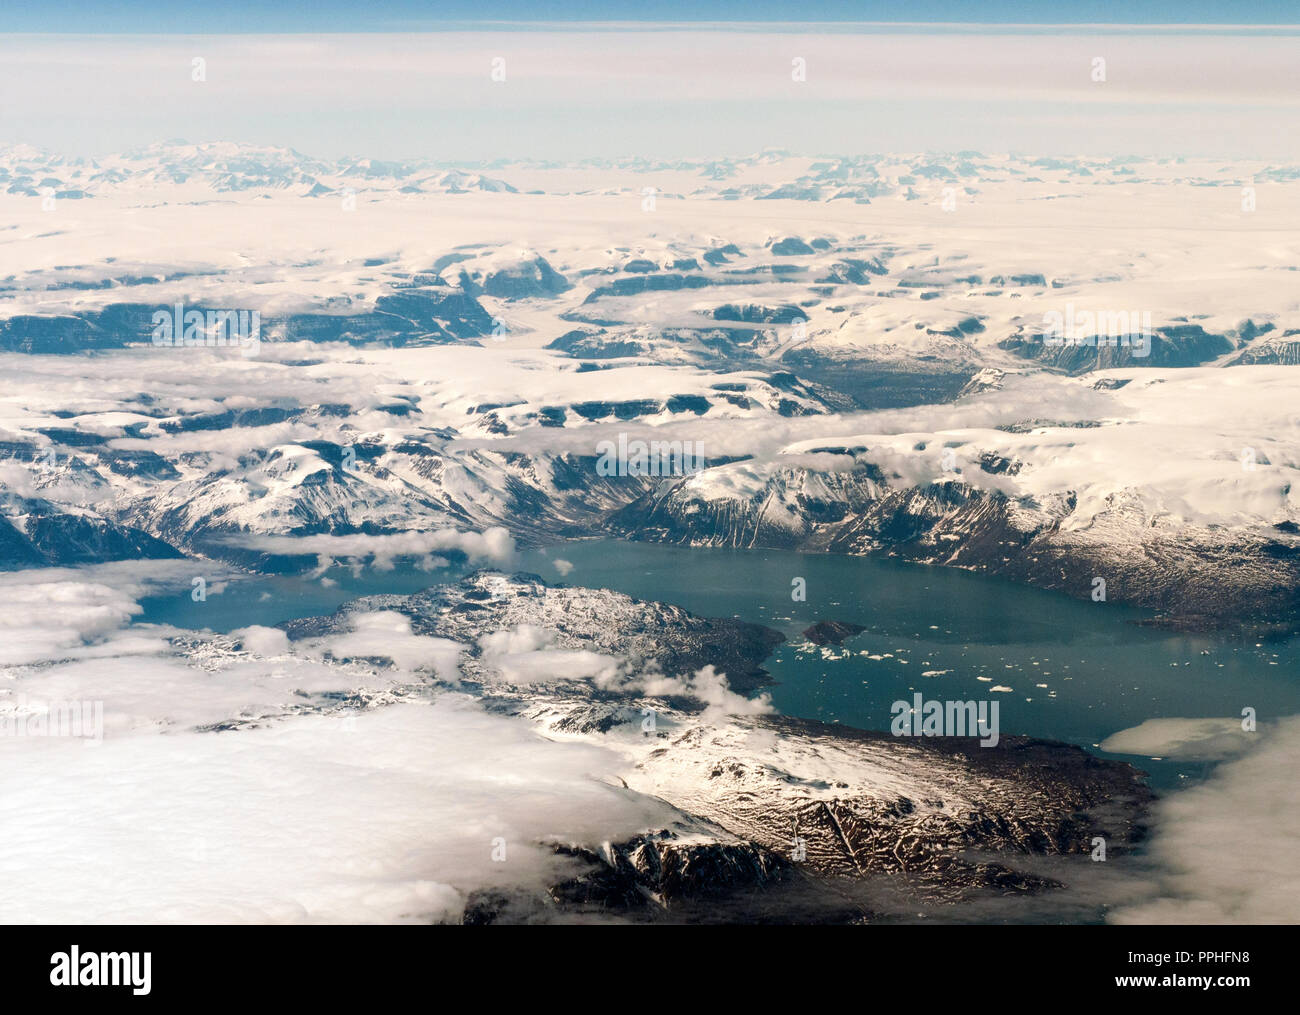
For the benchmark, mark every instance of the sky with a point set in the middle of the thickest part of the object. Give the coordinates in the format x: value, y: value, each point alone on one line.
x: 203, y: 16
x: 405, y: 80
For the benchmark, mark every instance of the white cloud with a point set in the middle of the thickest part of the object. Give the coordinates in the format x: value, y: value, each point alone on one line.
x: 1226, y: 848
x: 494, y: 544
x: 262, y: 641
x: 710, y: 687
x: 387, y: 818
x: 385, y: 815
x: 1192, y: 739
x: 39, y: 620
x: 524, y: 655
x: 895, y: 89
x: 387, y: 635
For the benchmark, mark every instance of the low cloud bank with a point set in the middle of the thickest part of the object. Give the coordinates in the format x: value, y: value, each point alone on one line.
x: 494, y: 545
x: 337, y: 792
x: 1188, y: 739
x: 1226, y: 849
x: 392, y: 816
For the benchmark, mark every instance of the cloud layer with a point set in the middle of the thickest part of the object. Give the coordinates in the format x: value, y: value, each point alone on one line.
x: 675, y: 91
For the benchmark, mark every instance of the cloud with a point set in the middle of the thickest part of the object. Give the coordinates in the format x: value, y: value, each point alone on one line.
x: 893, y: 89
x: 303, y: 810
x: 710, y: 687
x: 525, y: 655
x: 494, y: 544
x: 46, y: 619
x: 1190, y: 739
x: 262, y: 641
x: 388, y: 817
x: 387, y: 635
x: 1226, y: 849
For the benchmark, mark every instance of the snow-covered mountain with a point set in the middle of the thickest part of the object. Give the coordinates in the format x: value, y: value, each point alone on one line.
x: 1075, y: 373
x: 223, y: 167
x: 930, y: 370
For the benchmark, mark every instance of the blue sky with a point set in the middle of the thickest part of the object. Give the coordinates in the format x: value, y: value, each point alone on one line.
x: 206, y: 16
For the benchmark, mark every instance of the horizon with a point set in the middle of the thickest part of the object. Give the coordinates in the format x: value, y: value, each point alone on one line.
x: 569, y: 92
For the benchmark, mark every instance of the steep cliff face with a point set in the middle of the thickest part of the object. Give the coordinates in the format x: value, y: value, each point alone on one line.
x: 1192, y: 577
x: 1009, y: 507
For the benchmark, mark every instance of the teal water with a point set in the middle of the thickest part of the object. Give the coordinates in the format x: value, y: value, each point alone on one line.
x: 1078, y: 670
x: 270, y: 600
x: 1062, y: 668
